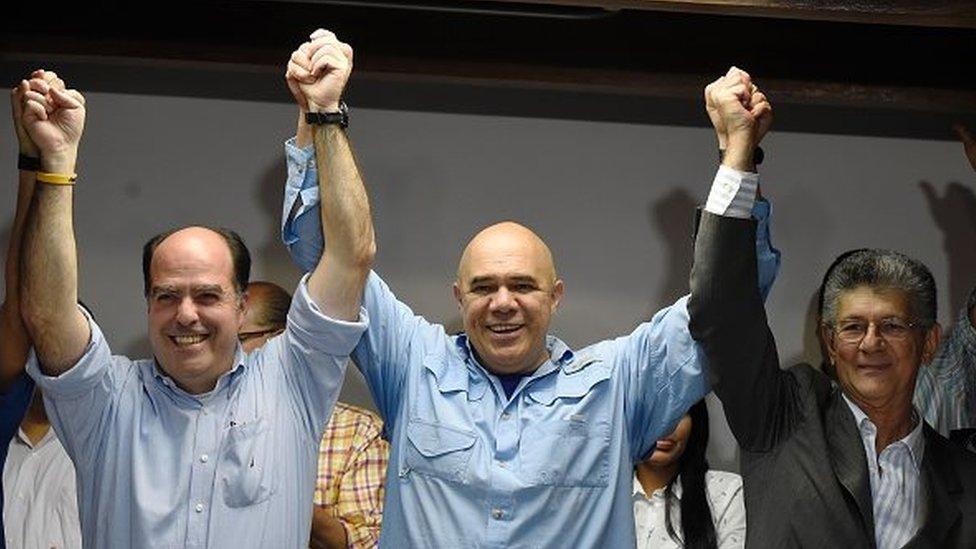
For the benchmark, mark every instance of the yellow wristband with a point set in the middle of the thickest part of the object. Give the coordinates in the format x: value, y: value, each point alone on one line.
x: 57, y: 178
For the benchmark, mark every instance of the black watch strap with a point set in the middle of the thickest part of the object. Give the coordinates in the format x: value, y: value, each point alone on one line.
x: 758, y: 155
x: 319, y: 118
x: 28, y: 163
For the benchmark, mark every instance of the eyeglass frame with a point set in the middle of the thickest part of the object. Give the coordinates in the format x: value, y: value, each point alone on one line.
x: 908, y: 325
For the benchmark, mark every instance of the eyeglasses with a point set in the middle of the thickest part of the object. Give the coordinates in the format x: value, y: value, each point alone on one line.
x: 889, y: 329
x: 246, y: 336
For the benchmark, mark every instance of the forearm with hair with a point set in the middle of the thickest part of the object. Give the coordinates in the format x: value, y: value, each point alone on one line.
x: 338, y: 281
x: 49, y: 281
x: 13, y: 335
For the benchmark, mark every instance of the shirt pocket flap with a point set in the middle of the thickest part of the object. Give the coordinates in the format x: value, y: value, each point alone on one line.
x: 575, y: 385
x: 434, y: 440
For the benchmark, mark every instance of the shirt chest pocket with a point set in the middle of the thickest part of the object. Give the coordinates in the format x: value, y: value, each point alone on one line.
x: 438, y: 450
x: 567, y: 443
x: 246, y: 468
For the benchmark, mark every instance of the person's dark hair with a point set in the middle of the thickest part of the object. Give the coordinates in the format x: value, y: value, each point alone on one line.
x: 270, y: 303
x: 239, y: 254
x: 881, y: 269
x: 697, y: 526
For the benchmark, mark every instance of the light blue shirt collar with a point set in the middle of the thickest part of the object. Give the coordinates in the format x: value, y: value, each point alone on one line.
x: 164, y: 380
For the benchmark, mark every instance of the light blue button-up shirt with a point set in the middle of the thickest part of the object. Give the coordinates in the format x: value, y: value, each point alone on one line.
x: 552, y: 466
x: 233, y: 468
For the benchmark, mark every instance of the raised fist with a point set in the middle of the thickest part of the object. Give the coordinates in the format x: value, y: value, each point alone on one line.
x: 318, y: 71
x: 54, y: 119
x: 25, y: 143
x: 739, y: 112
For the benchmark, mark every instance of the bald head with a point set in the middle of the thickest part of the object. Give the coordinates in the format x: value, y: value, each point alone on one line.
x: 239, y: 255
x: 502, y: 242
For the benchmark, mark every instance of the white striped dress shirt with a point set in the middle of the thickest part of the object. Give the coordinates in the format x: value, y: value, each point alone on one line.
x: 896, y: 485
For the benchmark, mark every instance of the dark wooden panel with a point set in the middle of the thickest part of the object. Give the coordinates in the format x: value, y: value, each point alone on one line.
x: 924, y: 13
x: 568, y: 47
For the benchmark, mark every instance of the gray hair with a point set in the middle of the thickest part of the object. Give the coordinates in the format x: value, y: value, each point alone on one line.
x: 883, y: 270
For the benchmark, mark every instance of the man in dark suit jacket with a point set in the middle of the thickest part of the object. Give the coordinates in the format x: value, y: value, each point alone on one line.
x: 825, y: 465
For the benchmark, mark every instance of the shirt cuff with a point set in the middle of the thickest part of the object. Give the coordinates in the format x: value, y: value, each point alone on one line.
x: 298, y: 158
x: 83, y: 375
x: 301, y: 230
x: 328, y: 335
x: 733, y: 193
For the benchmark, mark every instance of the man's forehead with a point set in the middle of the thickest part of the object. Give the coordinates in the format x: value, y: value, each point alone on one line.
x: 869, y: 300
x: 192, y: 257
x: 505, y: 267
x: 503, y: 277
x: 194, y: 248
x: 506, y: 249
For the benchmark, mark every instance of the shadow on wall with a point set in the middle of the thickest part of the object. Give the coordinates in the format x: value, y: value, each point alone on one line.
x: 954, y: 212
x: 673, y: 218
x: 812, y: 353
x: 272, y: 257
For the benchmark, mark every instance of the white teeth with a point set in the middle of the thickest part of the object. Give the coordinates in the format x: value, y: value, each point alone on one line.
x: 189, y: 339
x: 503, y: 328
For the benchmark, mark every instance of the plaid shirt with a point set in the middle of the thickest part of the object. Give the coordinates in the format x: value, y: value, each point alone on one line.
x: 352, y: 466
x: 945, y: 392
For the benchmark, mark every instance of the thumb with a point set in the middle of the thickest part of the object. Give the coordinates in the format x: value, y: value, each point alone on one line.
x: 68, y: 99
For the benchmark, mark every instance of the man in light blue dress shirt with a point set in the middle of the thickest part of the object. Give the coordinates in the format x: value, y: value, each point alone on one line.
x: 503, y: 436
x: 203, y: 446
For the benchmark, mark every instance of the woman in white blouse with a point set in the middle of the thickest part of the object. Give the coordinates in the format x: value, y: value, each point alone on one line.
x: 678, y: 502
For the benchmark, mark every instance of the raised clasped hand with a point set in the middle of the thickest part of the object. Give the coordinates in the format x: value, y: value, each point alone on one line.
x: 318, y: 71
x: 53, y: 119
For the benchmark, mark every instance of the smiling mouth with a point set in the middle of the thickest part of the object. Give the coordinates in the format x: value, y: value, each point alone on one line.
x: 188, y: 340
x: 504, y: 329
x: 873, y: 368
x: 665, y: 445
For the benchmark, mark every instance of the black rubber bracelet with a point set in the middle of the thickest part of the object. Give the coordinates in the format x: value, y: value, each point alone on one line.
x: 28, y: 163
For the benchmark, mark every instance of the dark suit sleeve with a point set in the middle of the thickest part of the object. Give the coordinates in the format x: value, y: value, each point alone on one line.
x: 727, y: 318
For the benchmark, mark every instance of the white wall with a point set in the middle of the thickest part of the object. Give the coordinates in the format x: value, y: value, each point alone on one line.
x: 613, y: 200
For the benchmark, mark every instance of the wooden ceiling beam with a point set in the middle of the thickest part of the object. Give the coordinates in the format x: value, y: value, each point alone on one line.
x: 921, y: 13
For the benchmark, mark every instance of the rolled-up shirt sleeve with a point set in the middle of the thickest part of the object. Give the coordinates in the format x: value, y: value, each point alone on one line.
x: 315, y: 349
x: 664, y: 373
x: 301, y: 230
x: 78, y: 400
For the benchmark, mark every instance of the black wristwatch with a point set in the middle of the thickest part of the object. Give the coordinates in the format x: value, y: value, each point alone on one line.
x: 319, y: 118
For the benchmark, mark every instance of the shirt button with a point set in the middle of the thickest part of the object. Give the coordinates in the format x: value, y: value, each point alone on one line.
x: 506, y: 415
x: 199, y: 508
x: 204, y: 458
x: 497, y: 514
x: 502, y: 464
